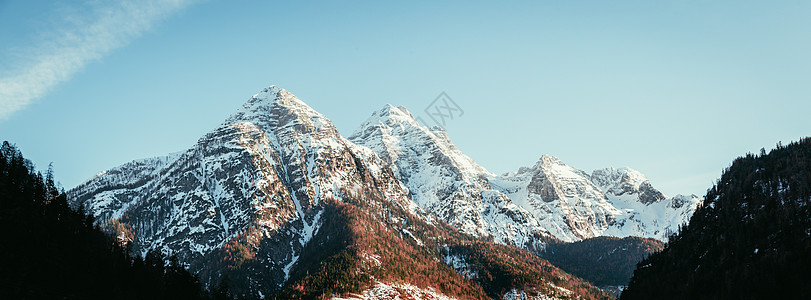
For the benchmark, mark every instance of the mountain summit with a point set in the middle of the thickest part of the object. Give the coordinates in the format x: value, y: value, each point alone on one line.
x: 277, y: 203
x: 548, y: 201
x: 444, y: 181
x: 257, y: 183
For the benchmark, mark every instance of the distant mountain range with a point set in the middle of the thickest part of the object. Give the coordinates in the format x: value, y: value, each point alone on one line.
x: 547, y: 200
x: 276, y: 202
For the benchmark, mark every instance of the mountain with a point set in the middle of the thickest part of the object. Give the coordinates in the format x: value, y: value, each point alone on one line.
x: 562, y: 198
x: 275, y: 203
x: 258, y: 182
x: 647, y: 212
x: 548, y: 201
x: 607, y: 262
x: 575, y: 205
x: 444, y: 181
x: 750, y: 240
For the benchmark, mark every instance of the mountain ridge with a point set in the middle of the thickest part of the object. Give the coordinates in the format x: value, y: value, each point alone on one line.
x: 261, y: 174
x: 434, y: 169
x: 256, y: 200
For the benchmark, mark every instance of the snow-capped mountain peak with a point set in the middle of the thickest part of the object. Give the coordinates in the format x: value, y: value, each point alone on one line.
x: 443, y: 180
x: 260, y: 180
x: 275, y: 109
x: 391, y: 116
x: 624, y: 181
x: 609, y: 176
x: 551, y: 196
x: 394, y: 114
x: 561, y: 198
x: 548, y: 160
x: 392, y: 129
x: 255, y: 195
x: 558, y: 168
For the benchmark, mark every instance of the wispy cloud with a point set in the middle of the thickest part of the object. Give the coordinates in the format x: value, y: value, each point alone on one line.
x: 83, y: 35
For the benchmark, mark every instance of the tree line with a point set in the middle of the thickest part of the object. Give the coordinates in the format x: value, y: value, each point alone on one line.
x: 50, y: 251
x: 751, y: 239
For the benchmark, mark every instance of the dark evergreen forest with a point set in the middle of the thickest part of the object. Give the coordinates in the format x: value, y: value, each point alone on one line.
x: 603, y: 261
x: 49, y: 251
x: 750, y: 240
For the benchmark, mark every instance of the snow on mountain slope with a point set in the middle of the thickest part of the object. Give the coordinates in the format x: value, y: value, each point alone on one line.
x: 444, y: 181
x: 521, y: 208
x: 257, y: 181
x: 562, y: 198
x: 522, y: 295
x: 609, y: 202
x: 647, y: 212
x: 383, y: 291
x: 618, y: 182
x: 276, y: 200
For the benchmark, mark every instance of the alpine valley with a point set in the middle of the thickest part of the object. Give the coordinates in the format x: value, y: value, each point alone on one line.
x: 276, y: 203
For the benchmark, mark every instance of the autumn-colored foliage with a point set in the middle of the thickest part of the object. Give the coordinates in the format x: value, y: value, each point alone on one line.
x: 360, y: 243
x: 356, y: 247
x: 501, y: 268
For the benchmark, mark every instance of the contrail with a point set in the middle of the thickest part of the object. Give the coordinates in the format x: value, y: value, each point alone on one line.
x: 80, y: 39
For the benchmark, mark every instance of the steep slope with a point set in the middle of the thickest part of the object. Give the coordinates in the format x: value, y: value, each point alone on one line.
x: 574, y: 205
x: 528, y: 208
x: 277, y: 204
x: 444, y: 181
x: 500, y: 269
x: 607, y: 262
x: 750, y: 240
x: 562, y: 198
x: 369, y: 247
x: 646, y: 211
x: 257, y: 183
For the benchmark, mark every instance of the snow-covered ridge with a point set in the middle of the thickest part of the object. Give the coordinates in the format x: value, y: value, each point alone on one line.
x: 609, y: 202
x: 397, y: 129
x: 549, y: 199
x: 259, y: 179
x: 444, y: 181
x: 561, y: 198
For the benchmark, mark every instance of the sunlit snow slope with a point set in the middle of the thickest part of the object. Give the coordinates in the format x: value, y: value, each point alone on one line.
x: 260, y: 177
x: 523, y: 208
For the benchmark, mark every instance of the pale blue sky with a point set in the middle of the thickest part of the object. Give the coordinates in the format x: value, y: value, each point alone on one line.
x: 674, y: 89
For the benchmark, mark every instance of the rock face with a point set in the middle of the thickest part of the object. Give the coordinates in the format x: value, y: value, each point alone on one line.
x: 261, y: 177
x: 524, y: 208
x: 646, y: 212
x: 444, y: 181
x: 574, y: 205
x: 561, y: 198
x: 251, y: 198
x: 619, y: 182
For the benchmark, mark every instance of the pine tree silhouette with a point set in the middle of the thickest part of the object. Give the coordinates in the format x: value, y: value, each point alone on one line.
x: 50, y: 251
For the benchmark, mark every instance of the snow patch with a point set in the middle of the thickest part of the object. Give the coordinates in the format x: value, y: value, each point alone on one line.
x: 386, y: 291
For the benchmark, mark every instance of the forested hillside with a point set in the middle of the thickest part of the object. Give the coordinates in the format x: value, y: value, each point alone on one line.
x: 603, y: 261
x: 52, y: 252
x: 750, y: 240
